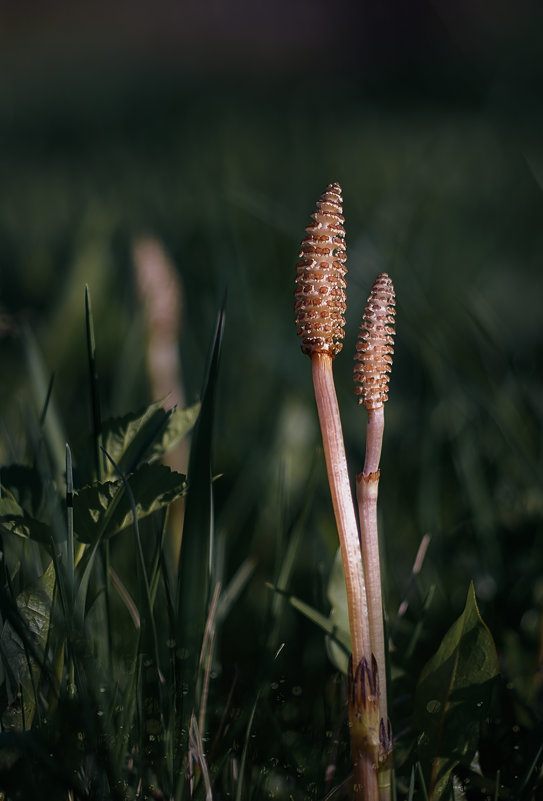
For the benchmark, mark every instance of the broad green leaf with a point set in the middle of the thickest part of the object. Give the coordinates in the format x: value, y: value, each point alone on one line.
x: 452, y: 697
x: 126, y: 439
x: 25, y: 485
x: 147, y: 434
x: 338, y: 646
x: 14, y: 520
x: 34, y: 608
x: 103, y: 508
x: 178, y: 425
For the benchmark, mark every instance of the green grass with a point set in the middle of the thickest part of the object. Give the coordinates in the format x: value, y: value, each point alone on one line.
x: 444, y: 199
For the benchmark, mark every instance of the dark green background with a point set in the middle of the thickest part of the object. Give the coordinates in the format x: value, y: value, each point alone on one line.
x: 216, y: 130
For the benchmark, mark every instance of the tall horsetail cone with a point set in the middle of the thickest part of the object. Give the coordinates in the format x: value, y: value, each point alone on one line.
x: 374, y: 348
x: 320, y: 278
x: 320, y: 307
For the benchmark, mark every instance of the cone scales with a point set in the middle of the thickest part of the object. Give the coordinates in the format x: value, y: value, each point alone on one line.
x: 320, y: 278
x: 374, y: 348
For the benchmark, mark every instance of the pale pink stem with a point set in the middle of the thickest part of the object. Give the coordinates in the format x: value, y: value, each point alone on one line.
x: 364, y: 751
x: 367, y: 488
x: 342, y: 501
x: 374, y: 439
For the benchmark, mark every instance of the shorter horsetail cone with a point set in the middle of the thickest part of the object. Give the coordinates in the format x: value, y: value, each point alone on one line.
x: 374, y: 348
x: 320, y: 278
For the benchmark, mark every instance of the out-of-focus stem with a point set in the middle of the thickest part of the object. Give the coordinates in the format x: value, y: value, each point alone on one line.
x: 161, y: 293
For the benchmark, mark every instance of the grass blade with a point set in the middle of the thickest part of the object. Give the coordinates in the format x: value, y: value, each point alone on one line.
x: 94, y: 393
x: 239, y: 790
x: 194, y: 571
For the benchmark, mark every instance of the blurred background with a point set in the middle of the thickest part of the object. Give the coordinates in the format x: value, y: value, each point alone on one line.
x: 212, y: 128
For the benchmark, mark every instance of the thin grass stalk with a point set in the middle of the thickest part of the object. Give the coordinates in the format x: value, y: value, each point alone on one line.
x: 197, y: 757
x: 48, y: 394
x: 69, y: 520
x: 206, y: 655
x: 104, y: 561
x: 241, y: 775
x: 70, y: 560
x: 147, y: 597
x: 196, y: 559
x: 94, y: 393
x: 50, y: 433
x: 415, y: 570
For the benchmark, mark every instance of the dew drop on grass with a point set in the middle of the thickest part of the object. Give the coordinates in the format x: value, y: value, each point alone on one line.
x: 100, y: 713
x: 297, y: 690
x: 433, y: 706
x: 170, y: 643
